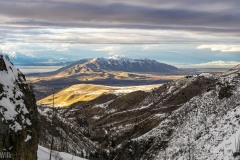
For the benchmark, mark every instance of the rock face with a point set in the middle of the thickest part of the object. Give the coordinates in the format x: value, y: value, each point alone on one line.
x: 18, y: 115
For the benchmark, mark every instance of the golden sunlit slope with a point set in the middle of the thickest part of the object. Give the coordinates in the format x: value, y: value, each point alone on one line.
x: 87, y: 92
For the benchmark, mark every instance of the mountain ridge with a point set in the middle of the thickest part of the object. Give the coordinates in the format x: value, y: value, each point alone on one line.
x: 20, y: 59
x: 124, y: 65
x: 121, y: 64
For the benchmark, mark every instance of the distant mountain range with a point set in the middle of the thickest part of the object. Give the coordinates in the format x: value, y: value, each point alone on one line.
x: 117, y: 64
x: 20, y: 59
x: 125, y: 65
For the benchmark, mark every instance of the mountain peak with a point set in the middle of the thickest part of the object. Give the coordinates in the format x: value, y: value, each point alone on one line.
x: 123, y: 64
x: 8, y: 70
x: 117, y: 57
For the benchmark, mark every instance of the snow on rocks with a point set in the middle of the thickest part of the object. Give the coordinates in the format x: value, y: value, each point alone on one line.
x: 28, y: 138
x: 205, y: 127
x: 206, y: 75
x: 11, y: 101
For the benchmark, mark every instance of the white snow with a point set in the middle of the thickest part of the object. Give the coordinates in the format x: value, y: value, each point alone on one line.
x: 15, y: 127
x: 28, y: 138
x: 10, y: 112
x: 12, y: 97
x: 236, y: 67
x: 209, y: 126
x: 44, y: 154
x: 207, y: 75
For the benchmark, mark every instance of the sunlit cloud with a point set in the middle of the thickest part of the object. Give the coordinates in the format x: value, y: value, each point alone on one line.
x: 221, y: 47
x: 213, y: 64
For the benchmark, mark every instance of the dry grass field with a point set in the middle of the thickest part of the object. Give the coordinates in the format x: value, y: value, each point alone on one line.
x: 86, y: 92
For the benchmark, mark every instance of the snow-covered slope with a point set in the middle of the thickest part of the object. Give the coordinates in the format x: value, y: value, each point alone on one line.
x: 18, y: 113
x: 206, y: 127
x: 67, y: 137
x: 234, y: 70
x: 44, y: 154
x: 11, y: 96
x: 236, y: 67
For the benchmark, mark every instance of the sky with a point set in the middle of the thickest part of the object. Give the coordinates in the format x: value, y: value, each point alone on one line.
x: 186, y: 33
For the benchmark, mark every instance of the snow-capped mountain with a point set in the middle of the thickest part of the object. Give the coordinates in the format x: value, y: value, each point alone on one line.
x: 196, y: 117
x: 121, y: 64
x: 20, y: 59
x: 18, y: 114
x: 215, y: 64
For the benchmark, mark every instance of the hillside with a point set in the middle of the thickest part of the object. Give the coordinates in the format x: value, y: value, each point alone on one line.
x: 196, y: 117
x: 18, y: 115
x: 87, y: 92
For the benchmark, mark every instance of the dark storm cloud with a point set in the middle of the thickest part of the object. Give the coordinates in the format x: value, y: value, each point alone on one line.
x: 205, y: 14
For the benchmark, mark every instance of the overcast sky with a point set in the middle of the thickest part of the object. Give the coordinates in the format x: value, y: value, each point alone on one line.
x: 179, y: 32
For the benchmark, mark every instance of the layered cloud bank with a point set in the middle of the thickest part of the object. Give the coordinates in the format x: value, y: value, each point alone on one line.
x: 77, y: 27
x: 188, y: 14
x: 216, y: 17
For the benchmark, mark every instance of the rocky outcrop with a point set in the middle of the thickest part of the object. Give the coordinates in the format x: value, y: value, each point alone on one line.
x: 18, y: 115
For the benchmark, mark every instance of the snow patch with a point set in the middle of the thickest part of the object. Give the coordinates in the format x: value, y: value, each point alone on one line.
x: 44, y: 154
x: 28, y: 138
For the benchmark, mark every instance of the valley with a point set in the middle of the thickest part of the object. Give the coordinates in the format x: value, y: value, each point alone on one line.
x: 143, y: 121
x: 177, y: 120
x: 104, y: 71
x: 119, y: 80
x: 193, y: 116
